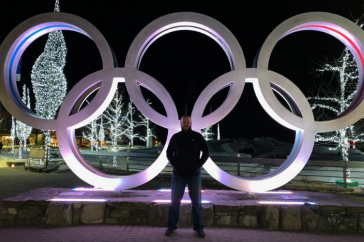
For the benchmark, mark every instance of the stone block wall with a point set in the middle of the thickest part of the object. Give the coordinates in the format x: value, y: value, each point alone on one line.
x: 305, y: 217
x: 23, y: 213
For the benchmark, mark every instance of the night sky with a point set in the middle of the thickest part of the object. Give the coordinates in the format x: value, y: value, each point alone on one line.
x: 186, y: 62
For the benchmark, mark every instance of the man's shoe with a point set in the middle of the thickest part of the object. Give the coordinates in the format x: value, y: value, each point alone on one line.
x: 200, y: 233
x: 169, y: 232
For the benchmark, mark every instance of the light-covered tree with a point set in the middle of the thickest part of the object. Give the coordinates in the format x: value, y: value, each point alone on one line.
x: 48, y: 80
x: 130, y: 124
x: 334, y: 98
x: 330, y: 103
x: 101, y: 136
x: 13, y: 134
x: 114, y: 122
x: 92, y: 134
x: 22, y: 130
x: 207, y: 133
x: 148, y: 128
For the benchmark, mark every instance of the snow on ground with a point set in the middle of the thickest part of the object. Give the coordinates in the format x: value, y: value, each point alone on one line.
x: 3, y: 162
x: 272, y: 148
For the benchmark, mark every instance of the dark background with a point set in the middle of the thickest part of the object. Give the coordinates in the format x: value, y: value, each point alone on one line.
x: 186, y: 62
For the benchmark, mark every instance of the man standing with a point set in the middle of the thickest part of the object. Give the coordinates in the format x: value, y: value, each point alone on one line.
x: 183, y: 153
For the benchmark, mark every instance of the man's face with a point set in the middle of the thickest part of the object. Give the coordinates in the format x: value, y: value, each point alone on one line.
x: 186, y: 123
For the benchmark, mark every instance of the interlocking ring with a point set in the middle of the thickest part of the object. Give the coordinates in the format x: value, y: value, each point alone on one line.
x: 106, y: 81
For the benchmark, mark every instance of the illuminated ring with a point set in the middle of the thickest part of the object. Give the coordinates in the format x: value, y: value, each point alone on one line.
x: 351, y: 35
x: 193, y: 22
x: 16, y: 43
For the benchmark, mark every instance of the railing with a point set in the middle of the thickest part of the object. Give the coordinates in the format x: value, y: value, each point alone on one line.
x: 357, y: 167
x: 326, y: 171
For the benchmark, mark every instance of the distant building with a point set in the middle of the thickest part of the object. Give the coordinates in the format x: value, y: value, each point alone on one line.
x: 5, y: 129
x: 5, y: 125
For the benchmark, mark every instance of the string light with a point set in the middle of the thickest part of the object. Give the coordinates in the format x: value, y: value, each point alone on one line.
x: 48, y: 80
x: 129, y: 124
x: 101, y: 133
x: 22, y: 130
x: 12, y: 133
x: 113, y: 115
x: 337, y: 102
x: 92, y: 135
x: 145, y: 122
x: 207, y: 133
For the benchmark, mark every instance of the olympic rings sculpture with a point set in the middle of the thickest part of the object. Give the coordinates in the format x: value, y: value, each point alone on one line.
x: 264, y: 82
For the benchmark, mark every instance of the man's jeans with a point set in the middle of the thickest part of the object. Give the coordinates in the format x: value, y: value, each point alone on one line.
x: 178, y: 189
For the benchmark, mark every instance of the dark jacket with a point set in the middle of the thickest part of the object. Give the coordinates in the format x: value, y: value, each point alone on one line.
x: 183, y: 153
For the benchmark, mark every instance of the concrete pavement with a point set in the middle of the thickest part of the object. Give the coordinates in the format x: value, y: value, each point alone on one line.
x: 102, y: 233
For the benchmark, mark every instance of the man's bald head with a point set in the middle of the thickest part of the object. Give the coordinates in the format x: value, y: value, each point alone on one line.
x: 186, y: 122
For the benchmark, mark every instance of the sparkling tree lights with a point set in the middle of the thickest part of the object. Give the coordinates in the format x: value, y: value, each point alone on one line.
x: 145, y: 123
x: 130, y: 124
x: 22, y: 130
x: 13, y: 134
x: 329, y: 103
x: 113, y: 116
x: 92, y: 134
x: 207, y: 133
x: 48, y: 80
x: 101, y: 135
x: 334, y: 103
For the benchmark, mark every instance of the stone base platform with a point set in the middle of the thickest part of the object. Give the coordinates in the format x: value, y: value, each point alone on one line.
x: 320, y: 212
